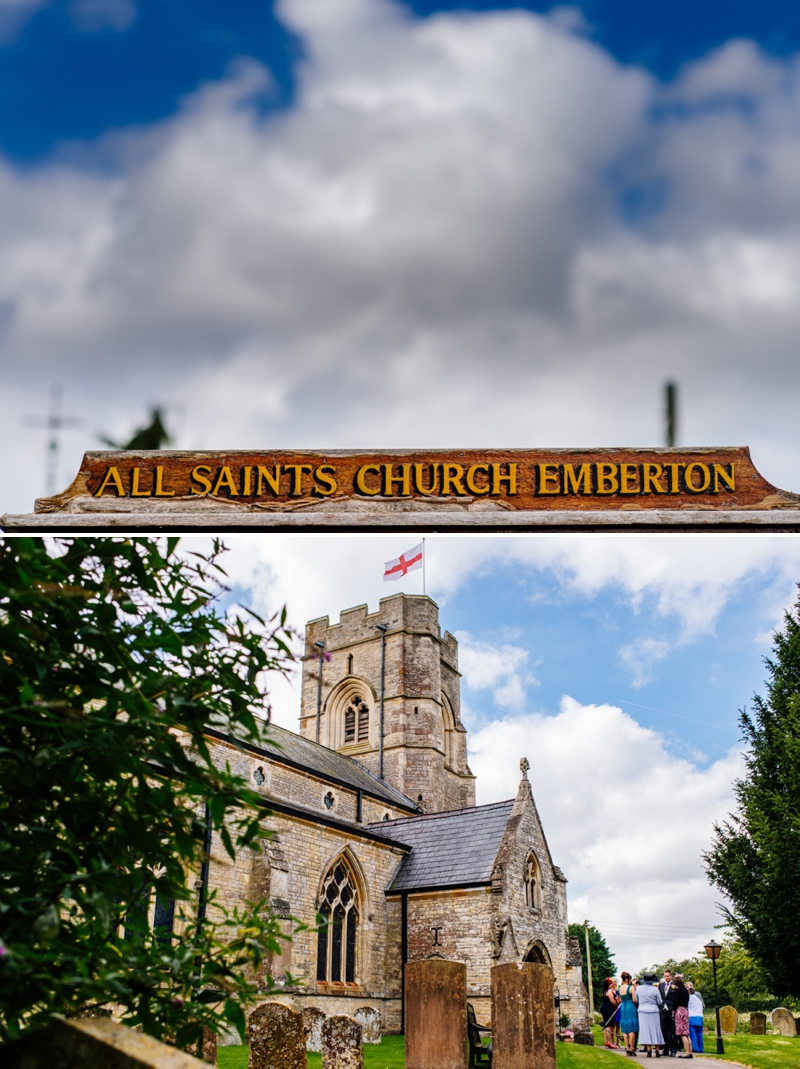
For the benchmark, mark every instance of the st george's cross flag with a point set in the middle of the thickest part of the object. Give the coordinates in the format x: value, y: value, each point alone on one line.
x: 405, y: 563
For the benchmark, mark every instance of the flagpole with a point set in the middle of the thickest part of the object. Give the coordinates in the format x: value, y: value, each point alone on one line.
x: 423, y: 566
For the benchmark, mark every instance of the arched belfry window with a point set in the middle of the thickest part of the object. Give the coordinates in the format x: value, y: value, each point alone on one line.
x: 532, y: 887
x: 338, y: 935
x: 356, y: 720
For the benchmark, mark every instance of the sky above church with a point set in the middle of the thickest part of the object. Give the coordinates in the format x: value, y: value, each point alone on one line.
x: 616, y: 664
x: 382, y: 223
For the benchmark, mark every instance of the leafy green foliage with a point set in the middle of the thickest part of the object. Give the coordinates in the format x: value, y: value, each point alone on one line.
x: 114, y: 657
x: 740, y: 979
x: 755, y: 856
x: 602, y: 958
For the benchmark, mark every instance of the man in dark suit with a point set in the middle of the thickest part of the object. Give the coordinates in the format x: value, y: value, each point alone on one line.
x: 667, y: 992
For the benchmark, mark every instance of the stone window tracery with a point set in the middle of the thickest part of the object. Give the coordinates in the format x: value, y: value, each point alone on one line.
x: 356, y: 720
x: 338, y: 935
x: 532, y: 882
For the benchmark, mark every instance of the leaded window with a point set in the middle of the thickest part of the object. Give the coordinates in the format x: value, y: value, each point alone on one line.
x: 337, y: 939
x: 356, y: 721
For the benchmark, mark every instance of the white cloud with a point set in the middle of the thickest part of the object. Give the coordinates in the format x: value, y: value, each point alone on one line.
x: 500, y: 669
x: 91, y: 16
x: 624, y: 817
x: 425, y: 248
x: 640, y: 656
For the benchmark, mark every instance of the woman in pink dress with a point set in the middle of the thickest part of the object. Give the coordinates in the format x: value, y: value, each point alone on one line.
x: 681, y: 1016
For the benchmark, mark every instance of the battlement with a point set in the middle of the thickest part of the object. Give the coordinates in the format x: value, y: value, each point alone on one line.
x: 414, y: 613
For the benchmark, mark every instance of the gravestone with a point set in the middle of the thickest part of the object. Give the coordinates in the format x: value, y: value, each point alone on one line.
x: 758, y: 1023
x: 370, y: 1021
x: 436, y: 1014
x: 313, y: 1020
x: 341, y: 1043
x: 586, y: 1038
x: 276, y: 1038
x: 523, y: 1022
x: 783, y: 1022
x: 728, y: 1019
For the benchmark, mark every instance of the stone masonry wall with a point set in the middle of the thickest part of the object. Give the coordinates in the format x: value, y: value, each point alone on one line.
x: 421, y: 668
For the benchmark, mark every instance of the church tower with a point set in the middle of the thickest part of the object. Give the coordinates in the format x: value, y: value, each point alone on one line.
x: 422, y: 750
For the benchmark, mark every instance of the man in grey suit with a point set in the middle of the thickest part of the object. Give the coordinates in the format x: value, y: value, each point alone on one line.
x: 667, y: 992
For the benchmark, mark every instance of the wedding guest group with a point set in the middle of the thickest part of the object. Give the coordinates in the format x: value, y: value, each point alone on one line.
x: 658, y: 1016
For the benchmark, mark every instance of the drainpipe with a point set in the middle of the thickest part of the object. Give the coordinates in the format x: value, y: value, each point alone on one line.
x: 383, y: 628
x: 203, y: 889
x: 321, y: 647
x: 403, y: 957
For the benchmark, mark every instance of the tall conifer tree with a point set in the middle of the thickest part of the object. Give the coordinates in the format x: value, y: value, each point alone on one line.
x: 755, y: 857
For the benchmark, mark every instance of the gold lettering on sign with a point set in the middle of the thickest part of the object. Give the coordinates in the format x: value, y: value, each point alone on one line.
x: 111, y: 477
x: 720, y: 473
x: 298, y: 470
x: 199, y: 474
x: 135, y: 491
x: 674, y: 484
x: 159, y: 490
x: 361, y: 476
x: 627, y: 472
x: 225, y: 479
x: 452, y: 474
x: 651, y: 473
x: 572, y: 482
x: 705, y: 477
x: 546, y: 477
x: 419, y: 484
x: 607, y: 481
x: 325, y: 475
x: 389, y: 479
x: 510, y: 478
x: 247, y: 471
x: 472, y: 486
x: 272, y: 479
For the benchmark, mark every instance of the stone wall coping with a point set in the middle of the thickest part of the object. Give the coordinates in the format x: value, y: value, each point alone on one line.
x: 94, y: 1041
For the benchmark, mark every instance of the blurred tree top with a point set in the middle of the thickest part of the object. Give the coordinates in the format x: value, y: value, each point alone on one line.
x: 153, y: 436
x: 114, y: 656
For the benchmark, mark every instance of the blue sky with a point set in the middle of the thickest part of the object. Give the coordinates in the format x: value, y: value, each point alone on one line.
x: 563, y: 640
x: 74, y: 69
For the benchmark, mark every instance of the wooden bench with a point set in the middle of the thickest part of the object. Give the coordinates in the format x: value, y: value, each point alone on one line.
x: 479, y: 1056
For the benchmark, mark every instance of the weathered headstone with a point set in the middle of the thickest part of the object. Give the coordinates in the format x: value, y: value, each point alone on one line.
x: 758, y: 1023
x: 370, y: 1021
x: 586, y: 1038
x: 523, y: 1025
x: 436, y: 1014
x: 728, y: 1019
x: 783, y: 1022
x: 341, y: 1043
x: 313, y: 1020
x: 276, y: 1038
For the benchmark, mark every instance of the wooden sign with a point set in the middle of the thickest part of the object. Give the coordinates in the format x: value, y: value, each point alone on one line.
x: 361, y: 486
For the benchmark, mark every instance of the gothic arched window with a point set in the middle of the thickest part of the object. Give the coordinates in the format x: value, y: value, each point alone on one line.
x: 532, y: 882
x: 356, y: 721
x: 337, y: 939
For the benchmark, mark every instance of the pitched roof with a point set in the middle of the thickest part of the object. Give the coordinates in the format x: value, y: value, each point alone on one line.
x: 294, y: 750
x: 452, y: 849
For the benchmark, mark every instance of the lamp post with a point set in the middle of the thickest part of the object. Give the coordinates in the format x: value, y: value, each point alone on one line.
x: 589, y: 970
x: 713, y: 950
x: 321, y: 647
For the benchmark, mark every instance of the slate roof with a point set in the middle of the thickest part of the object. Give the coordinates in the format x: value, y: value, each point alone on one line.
x: 453, y: 849
x: 294, y: 750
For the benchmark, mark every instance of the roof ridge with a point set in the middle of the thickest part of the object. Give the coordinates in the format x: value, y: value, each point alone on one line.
x: 447, y: 813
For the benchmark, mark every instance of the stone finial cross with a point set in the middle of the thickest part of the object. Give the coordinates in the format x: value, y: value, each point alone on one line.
x: 524, y: 765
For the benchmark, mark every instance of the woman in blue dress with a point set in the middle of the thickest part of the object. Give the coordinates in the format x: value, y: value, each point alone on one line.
x: 629, y: 1018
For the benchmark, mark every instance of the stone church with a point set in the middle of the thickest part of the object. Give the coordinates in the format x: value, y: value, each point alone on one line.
x: 375, y: 827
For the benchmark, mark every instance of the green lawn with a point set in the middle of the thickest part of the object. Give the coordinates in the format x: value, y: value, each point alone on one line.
x: 760, y: 1052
